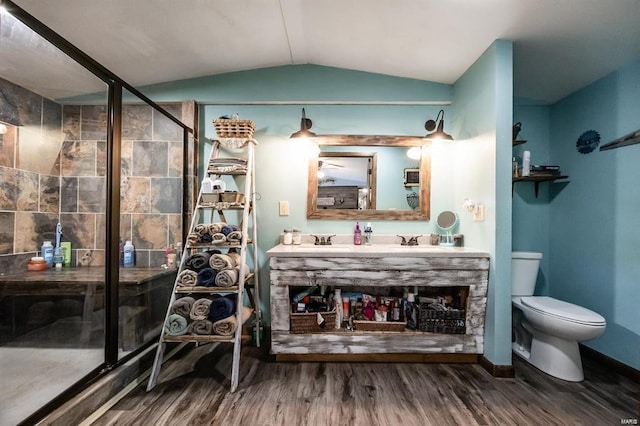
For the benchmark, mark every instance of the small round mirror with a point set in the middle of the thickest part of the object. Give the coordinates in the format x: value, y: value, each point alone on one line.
x: 447, y: 221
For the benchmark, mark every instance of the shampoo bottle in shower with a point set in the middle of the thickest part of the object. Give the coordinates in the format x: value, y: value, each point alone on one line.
x: 47, y: 252
x: 129, y: 254
x: 357, y: 235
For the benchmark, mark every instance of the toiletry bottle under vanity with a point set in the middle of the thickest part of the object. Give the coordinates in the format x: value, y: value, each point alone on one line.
x: 338, y: 307
x: 357, y: 235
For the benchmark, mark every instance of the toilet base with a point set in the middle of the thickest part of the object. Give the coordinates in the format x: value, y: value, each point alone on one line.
x: 557, y: 357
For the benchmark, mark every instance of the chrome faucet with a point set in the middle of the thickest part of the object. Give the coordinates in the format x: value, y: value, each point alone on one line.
x: 413, y: 241
x: 322, y: 240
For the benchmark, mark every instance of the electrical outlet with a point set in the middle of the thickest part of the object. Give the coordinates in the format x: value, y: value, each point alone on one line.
x: 283, y: 208
x: 478, y: 213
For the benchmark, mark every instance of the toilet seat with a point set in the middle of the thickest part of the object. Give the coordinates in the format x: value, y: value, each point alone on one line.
x: 563, y: 310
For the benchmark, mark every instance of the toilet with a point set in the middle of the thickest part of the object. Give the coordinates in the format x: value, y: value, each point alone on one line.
x: 546, y: 331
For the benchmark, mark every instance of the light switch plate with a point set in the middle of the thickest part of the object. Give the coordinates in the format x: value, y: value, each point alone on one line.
x: 478, y: 213
x: 283, y: 208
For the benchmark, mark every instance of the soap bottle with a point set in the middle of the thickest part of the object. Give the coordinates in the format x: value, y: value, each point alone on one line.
x: 368, y: 230
x: 129, y: 254
x: 47, y: 253
x: 357, y: 235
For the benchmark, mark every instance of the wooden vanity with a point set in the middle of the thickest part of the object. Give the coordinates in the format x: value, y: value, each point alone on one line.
x: 344, y: 265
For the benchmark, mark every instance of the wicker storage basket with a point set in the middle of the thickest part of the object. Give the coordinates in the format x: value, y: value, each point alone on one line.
x: 308, y: 322
x: 447, y: 322
x: 227, y: 128
x: 379, y: 325
x: 233, y: 197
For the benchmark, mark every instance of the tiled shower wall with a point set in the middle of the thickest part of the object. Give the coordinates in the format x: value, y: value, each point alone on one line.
x: 70, y: 157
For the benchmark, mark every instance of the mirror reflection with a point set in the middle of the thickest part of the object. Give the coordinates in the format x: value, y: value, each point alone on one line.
x: 365, y: 177
x: 347, y: 180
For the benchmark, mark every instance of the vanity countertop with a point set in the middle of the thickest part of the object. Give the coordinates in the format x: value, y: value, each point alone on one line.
x: 373, y: 250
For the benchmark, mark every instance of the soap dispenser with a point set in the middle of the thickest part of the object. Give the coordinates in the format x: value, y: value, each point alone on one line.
x: 368, y: 230
x: 357, y: 235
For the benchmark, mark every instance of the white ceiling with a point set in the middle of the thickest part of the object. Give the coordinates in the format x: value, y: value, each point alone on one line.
x: 559, y: 45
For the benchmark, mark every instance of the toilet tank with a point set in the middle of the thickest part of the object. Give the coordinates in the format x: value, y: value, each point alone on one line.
x: 524, y: 272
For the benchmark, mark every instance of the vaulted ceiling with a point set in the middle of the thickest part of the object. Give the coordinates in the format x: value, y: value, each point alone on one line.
x: 559, y: 46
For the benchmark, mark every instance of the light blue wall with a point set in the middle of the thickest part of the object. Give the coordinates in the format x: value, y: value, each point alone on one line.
x: 594, y: 228
x: 299, y: 83
x: 483, y: 99
x: 531, y: 214
x: 587, y: 228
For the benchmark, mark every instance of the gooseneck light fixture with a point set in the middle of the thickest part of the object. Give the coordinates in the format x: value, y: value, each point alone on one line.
x: 439, y: 133
x: 305, y: 125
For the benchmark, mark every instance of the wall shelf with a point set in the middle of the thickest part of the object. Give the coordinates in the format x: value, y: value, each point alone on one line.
x: 536, y: 180
x: 518, y: 142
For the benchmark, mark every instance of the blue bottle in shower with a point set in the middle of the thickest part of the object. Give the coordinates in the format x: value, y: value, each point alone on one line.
x: 47, y: 253
x: 129, y: 254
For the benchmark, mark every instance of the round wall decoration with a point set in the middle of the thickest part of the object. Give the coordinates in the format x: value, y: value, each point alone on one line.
x: 588, y: 141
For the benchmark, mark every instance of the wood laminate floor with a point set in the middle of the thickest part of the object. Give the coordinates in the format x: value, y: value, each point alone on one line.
x: 193, y: 390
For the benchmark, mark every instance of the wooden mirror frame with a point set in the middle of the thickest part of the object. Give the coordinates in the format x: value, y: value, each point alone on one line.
x: 424, y: 209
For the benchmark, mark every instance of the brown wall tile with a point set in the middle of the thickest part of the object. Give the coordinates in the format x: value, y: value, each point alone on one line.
x: 78, y: 158
x: 150, y: 159
x: 93, y: 124
x: 134, y: 195
x: 136, y: 122
x: 150, y: 231
x: 71, y: 122
x: 91, y: 194
x: 49, y: 194
x: 7, y: 223
x: 80, y: 229
x: 27, y: 195
x: 7, y: 147
x: 166, y: 195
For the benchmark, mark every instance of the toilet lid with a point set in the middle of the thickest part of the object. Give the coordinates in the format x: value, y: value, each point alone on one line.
x: 563, y: 310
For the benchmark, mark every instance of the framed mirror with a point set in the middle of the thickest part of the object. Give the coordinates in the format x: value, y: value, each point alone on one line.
x: 362, y: 177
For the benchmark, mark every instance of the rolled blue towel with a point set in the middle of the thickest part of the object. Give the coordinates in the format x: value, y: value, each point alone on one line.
x: 197, y: 261
x: 226, y: 229
x: 176, y: 325
x: 207, y: 277
x: 205, y: 238
x: 222, y: 307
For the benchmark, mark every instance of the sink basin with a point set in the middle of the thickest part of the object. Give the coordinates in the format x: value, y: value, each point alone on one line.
x: 342, y: 247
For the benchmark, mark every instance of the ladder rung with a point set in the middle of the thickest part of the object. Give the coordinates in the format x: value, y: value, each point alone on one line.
x: 213, y: 290
x: 198, y: 338
x: 217, y: 206
x: 221, y: 245
x: 201, y: 289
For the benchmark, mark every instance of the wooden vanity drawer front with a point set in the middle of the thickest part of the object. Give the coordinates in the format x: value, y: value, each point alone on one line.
x: 378, y: 263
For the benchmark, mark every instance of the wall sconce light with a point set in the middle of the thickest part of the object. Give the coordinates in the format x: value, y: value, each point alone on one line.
x: 439, y: 133
x: 305, y: 125
x: 3, y: 129
x: 415, y: 152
